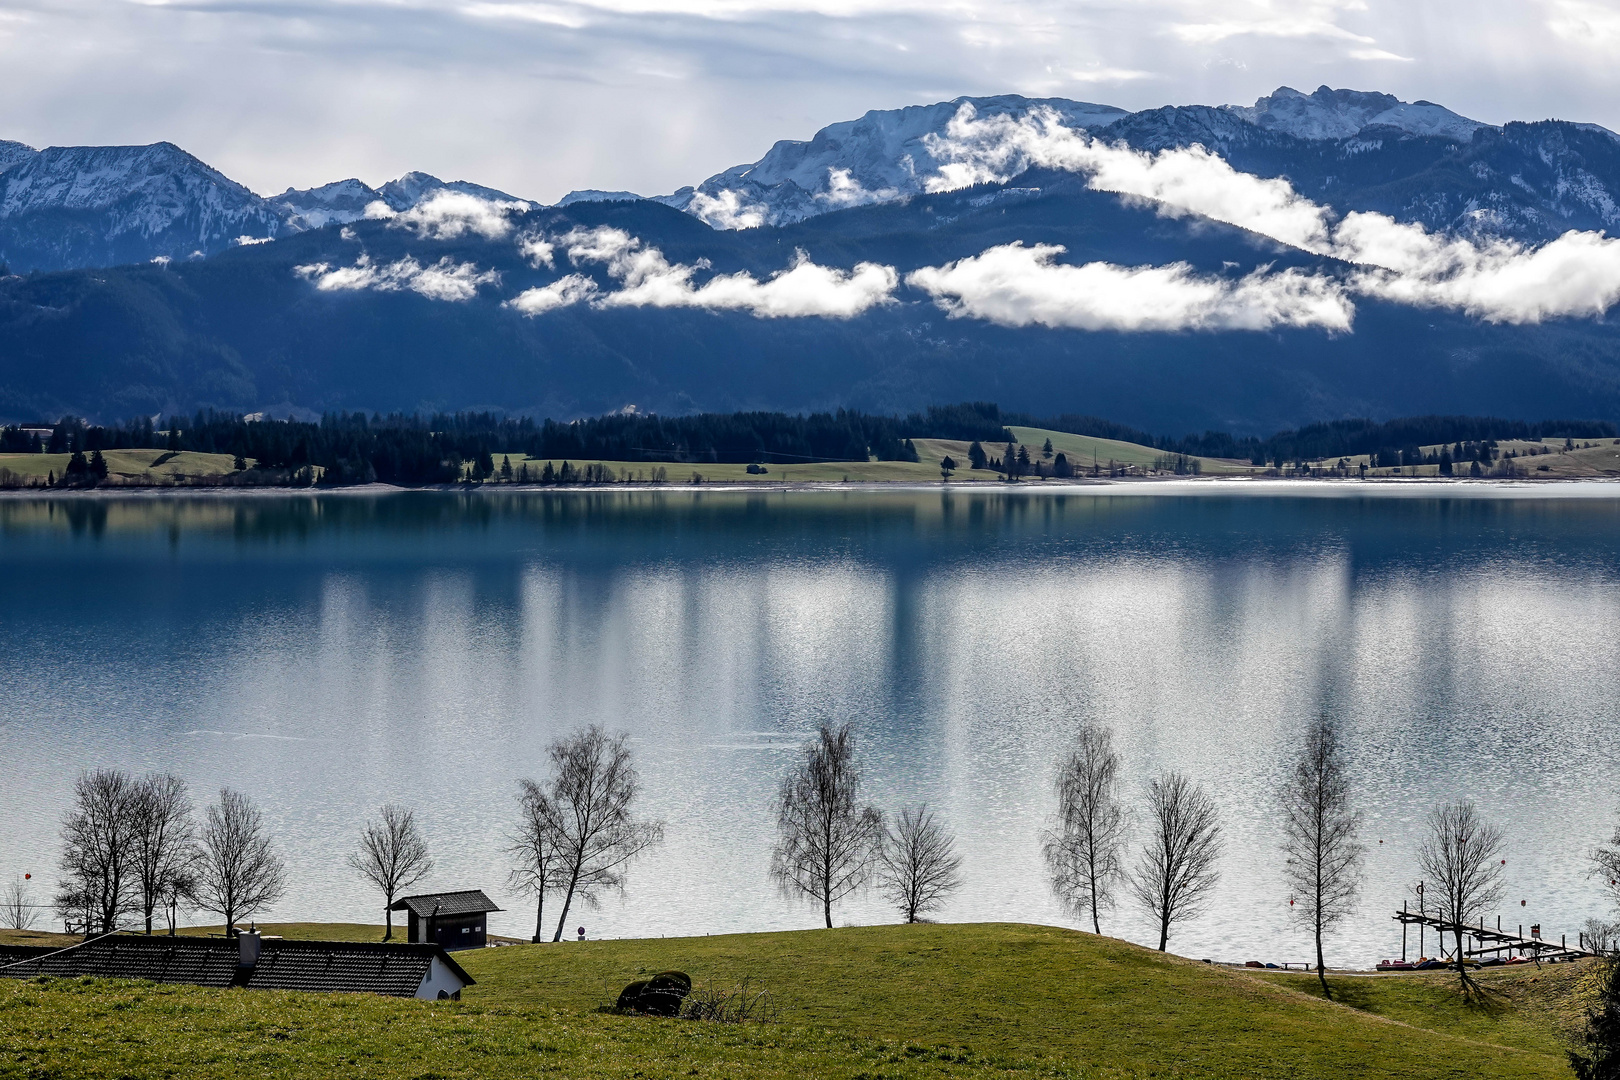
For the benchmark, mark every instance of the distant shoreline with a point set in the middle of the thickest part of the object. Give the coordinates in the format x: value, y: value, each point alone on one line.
x: 1273, y: 483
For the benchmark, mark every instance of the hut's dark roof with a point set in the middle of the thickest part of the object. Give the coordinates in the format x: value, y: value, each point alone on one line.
x: 467, y: 902
x: 344, y: 966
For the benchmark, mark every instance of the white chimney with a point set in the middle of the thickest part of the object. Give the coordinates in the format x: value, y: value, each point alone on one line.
x: 248, y: 944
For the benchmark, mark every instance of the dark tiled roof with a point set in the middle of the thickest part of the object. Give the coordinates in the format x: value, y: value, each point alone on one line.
x: 200, y: 961
x: 469, y: 902
x: 339, y: 966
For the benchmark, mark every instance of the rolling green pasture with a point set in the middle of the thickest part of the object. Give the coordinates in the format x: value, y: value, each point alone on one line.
x: 124, y: 466
x: 970, y: 1001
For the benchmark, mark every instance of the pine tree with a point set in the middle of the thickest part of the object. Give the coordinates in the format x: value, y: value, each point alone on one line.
x: 976, y: 456
x: 506, y: 468
x: 98, y: 465
x: 1046, y: 450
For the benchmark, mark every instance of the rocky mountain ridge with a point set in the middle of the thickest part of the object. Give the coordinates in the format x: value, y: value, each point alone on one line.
x: 67, y: 207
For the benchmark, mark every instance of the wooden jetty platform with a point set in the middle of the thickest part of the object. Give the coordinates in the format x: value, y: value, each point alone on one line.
x: 1495, y: 940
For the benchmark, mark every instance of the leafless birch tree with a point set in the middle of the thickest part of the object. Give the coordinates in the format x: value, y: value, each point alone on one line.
x: 237, y: 873
x: 165, y: 840
x: 392, y: 856
x: 1085, y: 852
x: 17, y: 906
x: 1460, y: 861
x: 99, y: 870
x: 826, y: 842
x: 593, y: 789
x: 534, y: 850
x: 1177, y: 868
x: 1320, y: 830
x: 918, y: 866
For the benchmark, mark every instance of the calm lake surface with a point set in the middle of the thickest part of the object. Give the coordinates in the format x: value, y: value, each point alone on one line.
x: 327, y: 654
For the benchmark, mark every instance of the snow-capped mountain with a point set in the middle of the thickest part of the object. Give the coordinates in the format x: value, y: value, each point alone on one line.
x: 884, y: 156
x: 413, y: 187
x: 1339, y: 114
x: 14, y: 153
x: 1417, y: 161
x: 339, y: 202
x: 101, y: 205
x: 77, y: 206
x: 1356, y: 150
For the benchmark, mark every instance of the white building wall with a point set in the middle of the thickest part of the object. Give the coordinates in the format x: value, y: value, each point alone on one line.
x: 439, y: 977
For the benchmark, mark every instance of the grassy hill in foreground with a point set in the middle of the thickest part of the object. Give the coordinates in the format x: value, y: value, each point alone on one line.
x: 893, y: 1001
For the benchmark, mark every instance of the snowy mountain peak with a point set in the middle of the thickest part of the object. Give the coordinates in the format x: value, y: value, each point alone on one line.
x: 337, y: 203
x: 1339, y: 114
x: 881, y: 157
x: 103, y: 205
x: 413, y: 187
x: 14, y: 153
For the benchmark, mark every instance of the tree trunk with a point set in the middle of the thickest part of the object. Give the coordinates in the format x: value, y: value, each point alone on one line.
x: 388, y: 918
x: 562, y: 920
x: 539, y: 919
x: 1462, y: 970
x: 148, y: 922
x: 1096, y: 924
x: 826, y: 909
x: 1321, y: 968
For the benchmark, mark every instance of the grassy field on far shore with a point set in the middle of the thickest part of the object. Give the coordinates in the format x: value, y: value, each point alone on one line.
x: 972, y: 1001
x: 123, y: 466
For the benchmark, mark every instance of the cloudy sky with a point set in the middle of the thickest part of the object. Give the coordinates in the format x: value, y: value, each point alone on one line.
x: 540, y: 96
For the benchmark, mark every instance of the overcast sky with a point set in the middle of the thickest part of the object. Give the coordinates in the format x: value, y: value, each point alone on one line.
x: 540, y: 96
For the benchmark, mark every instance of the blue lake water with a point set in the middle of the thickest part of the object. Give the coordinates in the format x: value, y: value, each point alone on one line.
x: 329, y: 653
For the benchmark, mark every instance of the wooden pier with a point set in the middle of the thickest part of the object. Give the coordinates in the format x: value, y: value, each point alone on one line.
x: 1492, y: 940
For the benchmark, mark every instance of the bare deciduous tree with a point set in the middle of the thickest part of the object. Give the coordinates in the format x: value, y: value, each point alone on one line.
x: 1320, y: 831
x: 392, y: 856
x: 1459, y: 861
x: 98, y: 885
x: 1085, y: 853
x: 826, y: 842
x: 165, y: 840
x: 592, y: 791
x: 534, y: 851
x: 1177, y: 868
x: 17, y: 907
x: 918, y: 866
x: 237, y: 873
x: 1606, y: 865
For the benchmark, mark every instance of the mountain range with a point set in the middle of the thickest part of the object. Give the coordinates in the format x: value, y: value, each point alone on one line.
x: 1244, y: 268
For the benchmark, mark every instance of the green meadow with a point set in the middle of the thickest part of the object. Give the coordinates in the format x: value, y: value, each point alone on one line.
x: 973, y: 1001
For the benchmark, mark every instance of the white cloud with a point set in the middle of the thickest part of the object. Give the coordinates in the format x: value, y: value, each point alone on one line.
x: 443, y: 280
x: 1014, y: 285
x: 1192, y: 180
x: 727, y: 211
x: 572, y: 289
x: 249, y: 241
x: 449, y: 215
x: 843, y: 190
x: 1575, y: 275
x: 648, y: 279
x: 537, y: 250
